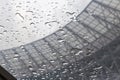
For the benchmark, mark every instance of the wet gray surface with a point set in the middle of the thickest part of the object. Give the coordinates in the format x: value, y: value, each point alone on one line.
x: 102, y: 65
x: 24, y: 21
x: 87, y: 48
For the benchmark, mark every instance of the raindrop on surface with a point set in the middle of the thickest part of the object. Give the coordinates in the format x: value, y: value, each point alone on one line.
x: 16, y: 55
x: 2, y: 26
x: 34, y: 73
x: 54, y: 53
x: 70, y: 13
x: 18, y: 14
x: 28, y: 2
x: 5, y: 31
x: 30, y: 11
x: 61, y: 31
x: 80, y: 69
x: 52, y: 61
x: 30, y: 68
x: 97, y: 68
x: 85, y: 43
x: 15, y: 58
x: 65, y: 71
x: 18, y: 6
x: 71, y: 78
x: 24, y: 27
x: 81, y: 74
x: 8, y: 20
x: 60, y: 40
x: 41, y: 69
x: 22, y: 48
x: 32, y: 23
x: 51, y: 22
x: 57, y: 75
x: 75, y: 51
x: 65, y: 63
x: 43, y: 78
x: 1, y: 34
x: 3, y: 64
x: 11, y: 70
x: 23, y: 74
x: 79, y: 52
x: 44, y: 65
x: 30, y: 62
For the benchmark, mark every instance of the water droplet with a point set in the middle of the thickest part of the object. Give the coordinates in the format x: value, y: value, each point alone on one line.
x: 62, y: 31
x: 65, y: 71
x: 3, y: 64
x: 70, y: 13
x: 97, y: 68
x: 52, y: 61
x: 16, y: 55
x: 71, y: 78
x: 18, y: 6
x: 1, y: 34
x: 15, y: 58
x: 30, y: 68
x: 8, y: 20
x: 51, y: 22
x: 60, y: 40
x: 18, y: 14
x: 44, y: 65
x: 34, y: 73
x: 22, y: 48
x: 41, y: 69
x: 2, y: 26
x: 5, y: 31
x: 43, y: 78
x: 79, y: 52
x: 32, y: 23
x: 23, y: 74
x: 30, y: 11
x: 54, y: 53
x: 28, y: 2
x: 57, y: 75
x: 65, y: 63
x: 24, y: 27
x: 75, y: 51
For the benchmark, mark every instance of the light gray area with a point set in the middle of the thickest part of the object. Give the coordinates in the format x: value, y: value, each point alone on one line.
x: 24, y: 21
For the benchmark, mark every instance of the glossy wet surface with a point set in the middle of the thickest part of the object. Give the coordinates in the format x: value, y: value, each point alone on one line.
x: 24, y: 21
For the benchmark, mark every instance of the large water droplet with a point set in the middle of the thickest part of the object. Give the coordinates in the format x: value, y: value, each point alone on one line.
x: 60, y: 40
x: 2, y: 26
x: 30, y: 68
x: 54, y: 53
x: 65, y: 71
x: 65, y: 63
x: 52, y: 61
x: 20, y: 15
x: 70, y: 13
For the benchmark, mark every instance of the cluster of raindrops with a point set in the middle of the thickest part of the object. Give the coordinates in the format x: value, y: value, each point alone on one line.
x: 74, y: 71
x: 26, y: 21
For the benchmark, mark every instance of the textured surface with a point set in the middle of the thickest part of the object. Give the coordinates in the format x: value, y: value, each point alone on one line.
x: 24, y: 21
x: 74, y: 49
x: 102, y: 65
